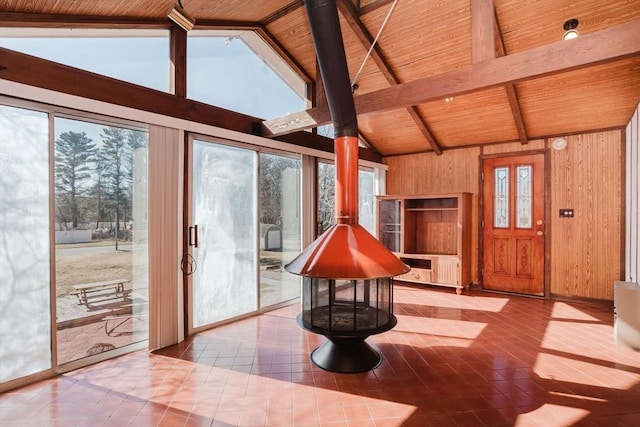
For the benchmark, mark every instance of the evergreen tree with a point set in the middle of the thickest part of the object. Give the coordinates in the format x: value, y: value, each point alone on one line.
x: 135, y: 139
x: 75, y: 154
x: 98, y: 189
x: 116, y: 151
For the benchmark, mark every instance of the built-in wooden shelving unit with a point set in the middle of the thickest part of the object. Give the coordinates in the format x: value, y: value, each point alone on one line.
x: 431, y: 234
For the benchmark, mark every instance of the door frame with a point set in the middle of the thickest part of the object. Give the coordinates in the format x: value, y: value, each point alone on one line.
x: 547, y: 213
x: 188, y: 295
x: 305, y: 221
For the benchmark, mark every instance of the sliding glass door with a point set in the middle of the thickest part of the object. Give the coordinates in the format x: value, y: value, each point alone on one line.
x: 101, y: 237
x: 280, y: 227
x: 223, y: 235
x: 326, y: 189
x: 25, y: 254
x: 73, y: 241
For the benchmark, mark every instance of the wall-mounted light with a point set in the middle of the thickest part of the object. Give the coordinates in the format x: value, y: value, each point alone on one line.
x: 181, y: 18
x: 570, y: 31
x: 559, y: 144
x: 448, y: 99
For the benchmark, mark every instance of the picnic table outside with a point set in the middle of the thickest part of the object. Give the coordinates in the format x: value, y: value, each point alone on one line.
x: 99, y: 293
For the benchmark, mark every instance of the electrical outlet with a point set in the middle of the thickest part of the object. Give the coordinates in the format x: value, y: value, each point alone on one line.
x: 566, y: 213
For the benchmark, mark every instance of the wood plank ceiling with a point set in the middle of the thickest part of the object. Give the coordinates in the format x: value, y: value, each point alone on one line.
x: 424, y: 39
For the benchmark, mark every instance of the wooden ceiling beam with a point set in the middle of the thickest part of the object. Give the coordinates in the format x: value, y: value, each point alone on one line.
x: 42, y: 20
x: 364, y: 140
x: 30, y: 70
x: 318, y: 142
x: 488, y: 44
x: 320, y: 94
x: 604, y: 46
x: 373, y: 6
x: 178, y: 65
x: 482, y: 30
x: 296, y: 4
x: 39, y: 20
x: 221, y: 24
x: 512, y: 94
x: 350, y: 14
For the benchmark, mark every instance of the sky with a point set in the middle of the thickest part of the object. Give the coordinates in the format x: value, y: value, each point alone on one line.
x: 220, y: 71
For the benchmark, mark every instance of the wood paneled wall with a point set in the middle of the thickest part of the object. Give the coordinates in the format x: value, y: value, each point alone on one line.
x: 514, y: 147
x: 455, y: 171
x: 586, y: 252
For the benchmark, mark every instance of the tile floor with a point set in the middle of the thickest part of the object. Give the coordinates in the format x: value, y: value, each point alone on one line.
x: 470, y: 360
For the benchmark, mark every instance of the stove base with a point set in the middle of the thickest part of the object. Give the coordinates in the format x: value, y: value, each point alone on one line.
x: 346, y: 356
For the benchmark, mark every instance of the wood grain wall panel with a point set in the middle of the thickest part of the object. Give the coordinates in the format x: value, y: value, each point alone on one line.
x: 166, y: 156
x: 586, y: 250
x: 513, y: 147
x: 455, y: 171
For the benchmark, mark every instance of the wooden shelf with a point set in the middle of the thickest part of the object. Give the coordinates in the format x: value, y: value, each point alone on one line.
x: 433, y: 237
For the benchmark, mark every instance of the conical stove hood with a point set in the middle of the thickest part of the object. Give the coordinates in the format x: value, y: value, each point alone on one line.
x: 346, y: 250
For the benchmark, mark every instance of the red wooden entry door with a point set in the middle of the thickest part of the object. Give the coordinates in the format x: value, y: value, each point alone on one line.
x: 513, y: 224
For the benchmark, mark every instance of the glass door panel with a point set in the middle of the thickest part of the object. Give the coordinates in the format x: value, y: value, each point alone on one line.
x: 366, y: 200
x: 326, y: 196
x: 224, y: 193
x: 280, y: 222
x: 101, y: 237
x: 25, y: 295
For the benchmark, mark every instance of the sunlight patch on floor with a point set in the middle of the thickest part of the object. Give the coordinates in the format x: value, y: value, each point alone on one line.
x: 552, y: 415
x: 572, y: 371
x: 440, y: 327
x: 563, y: 310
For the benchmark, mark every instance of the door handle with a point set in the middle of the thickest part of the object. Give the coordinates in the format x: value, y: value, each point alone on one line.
x: 193, y: 236
x: 539, y: 233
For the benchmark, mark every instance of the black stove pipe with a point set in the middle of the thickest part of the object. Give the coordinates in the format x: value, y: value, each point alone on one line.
x: 327, y: 37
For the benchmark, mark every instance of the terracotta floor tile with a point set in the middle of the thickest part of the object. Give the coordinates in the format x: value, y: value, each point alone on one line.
x: 477, y: 359
x: 281, y: 417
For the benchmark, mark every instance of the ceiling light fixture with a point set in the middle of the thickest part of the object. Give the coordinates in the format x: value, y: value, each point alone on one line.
x: 448, y: 99
x: 181, y: 18
x: 570, y: 29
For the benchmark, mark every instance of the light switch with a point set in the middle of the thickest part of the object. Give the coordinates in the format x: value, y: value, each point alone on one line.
x: 566, y: 213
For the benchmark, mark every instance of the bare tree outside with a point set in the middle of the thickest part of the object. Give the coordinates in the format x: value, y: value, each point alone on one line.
x: 271, y: 170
